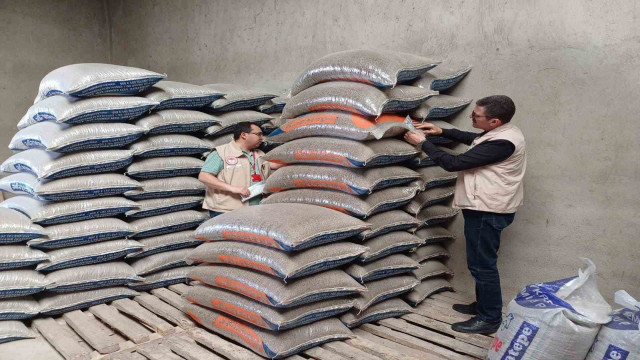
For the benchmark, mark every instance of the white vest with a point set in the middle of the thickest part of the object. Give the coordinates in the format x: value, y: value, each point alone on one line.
x: 496, y: 187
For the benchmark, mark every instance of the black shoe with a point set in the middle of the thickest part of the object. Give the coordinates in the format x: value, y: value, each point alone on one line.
x: 465, y: 309
x: 476, y: 326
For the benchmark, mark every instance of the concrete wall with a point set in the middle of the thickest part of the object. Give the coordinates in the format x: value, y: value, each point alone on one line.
x: 571, y: 67
x: 37, y: 36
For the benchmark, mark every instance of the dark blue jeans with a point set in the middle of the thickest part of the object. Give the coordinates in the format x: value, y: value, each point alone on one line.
x: 213, y: 214
x: 482, y: 231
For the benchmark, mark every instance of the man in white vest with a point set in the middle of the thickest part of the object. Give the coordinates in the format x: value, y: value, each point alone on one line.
x: 231, y: 169
x: 489, y: 190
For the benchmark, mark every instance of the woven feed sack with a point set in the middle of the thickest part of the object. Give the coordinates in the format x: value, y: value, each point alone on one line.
x: 404, y: 98
x: 91, y: 277
x: 553, y: 320
x: 18, y: 308
x: 428, y: 198
x: 426, y: 288
x: 388, y: 266
x: 16, y: 227
x: 340, y: 125
x: 347, y: 180
x: 160, y: 261
x: 163, y: 278
x: 393, y: 307
x: 164, y: 167
x: 383, y: 289
x: 436, y: 214
x: 55, y: 304
x: 70, y: 110
x: 227, y: 122
x: 390, y: 243
x: 619, y: 338
x: 48, y: 165
x: 15, y: 330
x: 169, y: 145
x: 433, y: 176
x: 73, y: 188
x: 81, y: 233
x: 438, y: 139
x: 167, y: 223
x: 19, y: 256
x: 388, y: 221
x: 94, y: 79
x: 88, y: 254
x: 161, y: 188
x: 438, y: 107
x: 342, y: 152
x: 269, y: 344
x: 237, y: 97
x: 358, y: 206
x: 16, y: 283
x: 167, y: 242
x: 434, y: 234
x: 179, y: 95
x: 384, y: 69
x: 155, y: 207
x: 64, y: 138
x: 274, y: 105
x: 442, y: 77
x: 276, y: 262
x: 262, y: 315
x: 273, y: 291
x: 256, y: 224
x: 430, y: 252
x: 175, y: 121
x: 215, y: 141
x: 432, y: 268
x: 45, y: 213
x: 423, y: 160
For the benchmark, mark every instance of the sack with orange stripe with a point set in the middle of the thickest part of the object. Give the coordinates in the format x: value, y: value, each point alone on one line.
x: 276, y: 262
x: 342, y: 125
x: 272, y: 345
x: 296, y: 226
x: 262, y: 315
x: 342, y: 152
x: 388, y: 221
x: 347, y: 180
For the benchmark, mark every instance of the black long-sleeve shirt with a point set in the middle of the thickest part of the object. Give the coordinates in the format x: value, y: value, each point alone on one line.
x: 485, y: 153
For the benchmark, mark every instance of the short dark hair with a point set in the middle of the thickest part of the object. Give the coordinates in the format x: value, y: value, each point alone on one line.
x: 498, y: 106
x: 242, y: 127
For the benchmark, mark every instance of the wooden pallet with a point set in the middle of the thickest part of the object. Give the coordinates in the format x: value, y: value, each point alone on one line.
x: 151, y: 327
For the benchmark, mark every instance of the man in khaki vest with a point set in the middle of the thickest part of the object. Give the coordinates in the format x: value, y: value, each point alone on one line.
x: 232, y: 168
x: 489, y: 190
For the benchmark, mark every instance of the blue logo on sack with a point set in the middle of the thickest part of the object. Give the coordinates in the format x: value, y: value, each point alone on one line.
x: 542, y: 295
x: 33, y: 144
x: 521, y: 341
x: 615, y: 353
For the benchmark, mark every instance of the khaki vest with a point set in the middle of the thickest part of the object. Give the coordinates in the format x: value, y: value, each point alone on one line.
x: 496, y: 187
x: 236, y: 171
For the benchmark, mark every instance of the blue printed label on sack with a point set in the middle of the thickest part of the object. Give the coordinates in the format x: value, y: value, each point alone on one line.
x: 542, y: 296
x: 43, y: 116
x: 33, y: 144
x: 126, y: 87
x: 22, y: 187
x: 24, y: 168
x: 108, y: 143
x: 112, y: 115
x: 90, y: 169
x: 615, y: 353
x: 520, y: 342
x: 625, y: 320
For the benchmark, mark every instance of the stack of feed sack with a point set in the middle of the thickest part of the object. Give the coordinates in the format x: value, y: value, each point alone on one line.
x: 338, y: 145
x: 67, y: 175
x: 167, y: 162
x: 273, y: 272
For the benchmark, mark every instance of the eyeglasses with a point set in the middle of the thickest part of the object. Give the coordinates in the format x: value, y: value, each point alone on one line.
x: 475, y: 116
x: 260, y: 134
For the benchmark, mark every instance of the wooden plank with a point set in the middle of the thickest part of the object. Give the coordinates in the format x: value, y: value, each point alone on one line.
x: 170, y: 297
x: 74, y: 336
x: 398, y: 348
x: 322, y: 354
x: 433, y: 312
x: 221, y: 346
x: 59, y: 338
x: 157, y: 351
x: 148, y: 318
x: 412, y: 342
x: 127, y: 356
x: 189, y: 349
x: 90, y: 330
x: 348, y: 351
x: 164, y: 310
x: 434, y: 337
x: 179, y: 288
x: 126, y: 326
x: 379, y: 350
x: 459, y: 296
x: 293, y: 357
x: 475, y: 339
